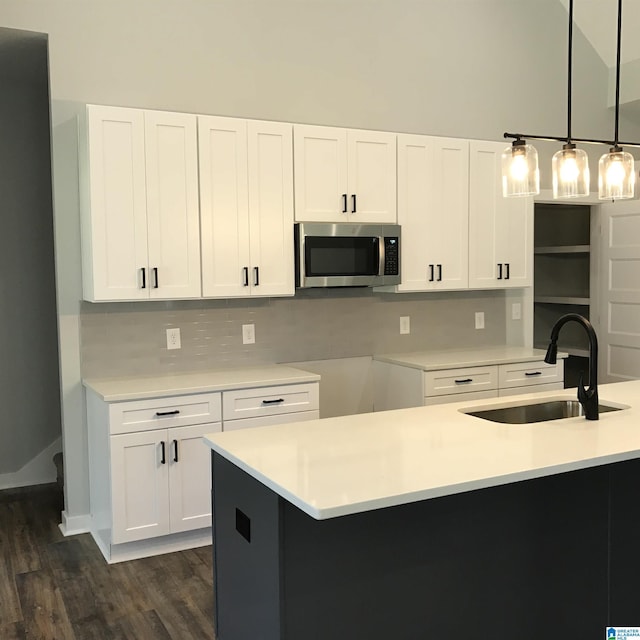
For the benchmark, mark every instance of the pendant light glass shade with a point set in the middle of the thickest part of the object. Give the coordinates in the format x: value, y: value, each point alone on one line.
x: 616, y: 175
x: 570, y: 173
x: 520, y: 174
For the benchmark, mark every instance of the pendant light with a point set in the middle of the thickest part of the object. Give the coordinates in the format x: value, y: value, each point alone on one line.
x: 570, y: 166
x: 616, y: 175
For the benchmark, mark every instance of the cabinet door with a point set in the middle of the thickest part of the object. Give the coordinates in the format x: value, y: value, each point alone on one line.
x: 189, y: 462
x: 500, y: 229
x: 173, y: 219
x: 320, y: 157
x: 224, y: 207
x: 114, y: 218
x: 371, y: 163
x: 270, y: 166
x: 139, y: 486
x: 433, y: 211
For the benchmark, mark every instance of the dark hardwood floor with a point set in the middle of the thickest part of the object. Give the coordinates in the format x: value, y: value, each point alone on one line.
x: 57, y: 588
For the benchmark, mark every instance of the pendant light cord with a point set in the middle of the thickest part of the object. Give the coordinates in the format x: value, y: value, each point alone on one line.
x: 569, y: 72
x: 615, y: 143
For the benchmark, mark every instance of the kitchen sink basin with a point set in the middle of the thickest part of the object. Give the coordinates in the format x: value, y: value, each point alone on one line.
x: 539, y: 412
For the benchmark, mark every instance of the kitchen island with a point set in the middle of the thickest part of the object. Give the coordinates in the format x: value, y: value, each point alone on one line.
x: 428, y: 522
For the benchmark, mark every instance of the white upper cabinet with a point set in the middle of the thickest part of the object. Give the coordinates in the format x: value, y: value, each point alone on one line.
x: 344, y: 175
x: 433, y: 211
x: 500, y: 229
x: 139, y: 205
x: 246, y: 203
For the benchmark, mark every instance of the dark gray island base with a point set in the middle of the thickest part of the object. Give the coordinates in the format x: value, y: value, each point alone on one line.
x: 553, y: 557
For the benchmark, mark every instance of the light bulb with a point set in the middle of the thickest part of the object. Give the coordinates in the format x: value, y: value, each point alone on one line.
x: 519, y: 168
x: 615, y: 174
x: 569, y: 170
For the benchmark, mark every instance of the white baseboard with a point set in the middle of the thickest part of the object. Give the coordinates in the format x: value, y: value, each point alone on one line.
x: 39, y: 470
x: 73, y: 525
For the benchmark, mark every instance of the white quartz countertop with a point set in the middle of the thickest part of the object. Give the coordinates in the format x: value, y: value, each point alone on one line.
x: 138, y: 388
x: 453, y: 359
x: 339, y: 466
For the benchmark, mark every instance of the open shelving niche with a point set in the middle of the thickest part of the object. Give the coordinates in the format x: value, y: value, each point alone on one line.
x: 562, y: 253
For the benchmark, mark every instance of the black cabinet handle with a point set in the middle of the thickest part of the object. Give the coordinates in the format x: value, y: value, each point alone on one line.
x: 439, y: 273
x: 507, y: 276
x: 144, y: 278
x: 256, y: 276
x: 163, y: 460
x: 353, y: 203
x: 500, y: 271
x: 245, y: 276
x: 430, y: 273
x: 344, y: 203
x: 278, y: 401
x: 464, y: 381
x: 174, y: 412
x: 155, y: 277
x: 533, y: 373
x: 175, y: 451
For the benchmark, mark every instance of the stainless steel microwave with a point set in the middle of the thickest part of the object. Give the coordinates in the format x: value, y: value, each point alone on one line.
x: 346, y: 255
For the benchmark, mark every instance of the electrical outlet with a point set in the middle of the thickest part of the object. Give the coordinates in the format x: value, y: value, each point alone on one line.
x: 405, y: 325
x: 173, y: 338
x: 248, y: 334
x: 479, y: 319
x: 516, y: 311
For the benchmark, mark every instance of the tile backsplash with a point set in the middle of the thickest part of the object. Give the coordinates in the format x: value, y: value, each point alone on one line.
x: 317, y: 324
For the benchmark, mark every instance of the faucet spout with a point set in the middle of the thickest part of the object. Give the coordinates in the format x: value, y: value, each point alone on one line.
x: 588, y: 398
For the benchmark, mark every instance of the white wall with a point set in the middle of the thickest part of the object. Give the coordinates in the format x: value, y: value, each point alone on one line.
x: 466, y: 68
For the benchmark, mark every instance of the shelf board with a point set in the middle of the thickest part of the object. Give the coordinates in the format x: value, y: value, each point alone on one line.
x: 574, y: 248
x: 562, y: 300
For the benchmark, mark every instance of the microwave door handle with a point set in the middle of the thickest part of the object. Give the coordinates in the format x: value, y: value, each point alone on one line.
x: 381, y: 261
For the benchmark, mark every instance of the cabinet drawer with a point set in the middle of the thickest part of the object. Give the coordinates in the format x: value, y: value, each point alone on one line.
x: 439, y: 383
x: 265, y: 421
x: 141, y: 415
x: 266, y: 401
x: 524, y: 374
x: 460, y: 397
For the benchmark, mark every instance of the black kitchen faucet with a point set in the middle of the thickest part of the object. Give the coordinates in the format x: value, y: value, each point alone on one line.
x: 588, y: 398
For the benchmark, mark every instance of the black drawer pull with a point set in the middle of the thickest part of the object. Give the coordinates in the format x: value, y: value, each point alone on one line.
x: 278, y: 401
x: 499, y: 271
x: 439, y: 273
x: 175, y: 451
x: 155, y: 277
x: 344, y: 203
x: 256, y: 276
x: 464, y: 381
x: 508, y: 270
x: 245, y: 278
x: 431, y: 278
x: 533, y: 373
x: 163, y: 460
x: 175, y: 412
x: 144, y: 278
x: 353, y: 200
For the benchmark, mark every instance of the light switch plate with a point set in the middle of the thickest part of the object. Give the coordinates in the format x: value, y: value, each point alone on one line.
x: 479, y: 319
x: 405, y: 325
x: 516, y: 311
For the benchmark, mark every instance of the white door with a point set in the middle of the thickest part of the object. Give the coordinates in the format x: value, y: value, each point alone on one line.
x: 500, y: 229
x: 433, y: 211
x: 270, y: 167
x: 224, y: 207
x: 190, y: 476
x: 139, y: 485
x: 173, y: 218
x: 320, y: 157
x: 619, y: 292
x: 114, y: 220
x: 372, y: 176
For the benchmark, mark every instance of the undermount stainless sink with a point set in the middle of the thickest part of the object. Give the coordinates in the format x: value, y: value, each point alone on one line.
x: 540, y: 412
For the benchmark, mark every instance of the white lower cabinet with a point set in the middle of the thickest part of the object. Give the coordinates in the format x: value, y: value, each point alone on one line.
x: 163, y: 484
x: 399, y: 386
x: 150, y: 471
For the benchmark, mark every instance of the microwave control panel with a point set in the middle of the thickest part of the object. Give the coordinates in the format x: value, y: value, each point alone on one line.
x: 390, y: 256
